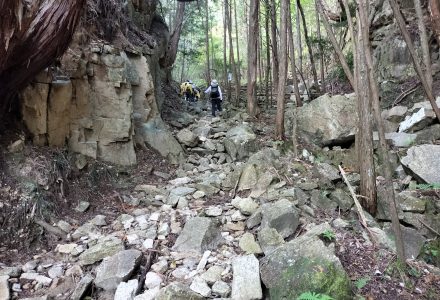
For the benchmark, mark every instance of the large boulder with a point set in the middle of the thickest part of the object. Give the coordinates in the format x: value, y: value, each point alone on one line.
x: 424, y: 162
x: 419, y: 120
x: 117, y: 268
x: 281, y: 215
x: 305, y: 264
x: 246, y: 283
x: 198, y: 235
x: 105, y: 246
x: 329, y: 120
x: 240, y: 141
x: 187, y: 137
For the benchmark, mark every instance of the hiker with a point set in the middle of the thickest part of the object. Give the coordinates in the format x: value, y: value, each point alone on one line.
x: 215, y: 94
x: 186, y: 90
x: 196, y: 90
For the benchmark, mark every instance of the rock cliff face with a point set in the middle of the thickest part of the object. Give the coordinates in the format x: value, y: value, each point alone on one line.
x: 103, y: 99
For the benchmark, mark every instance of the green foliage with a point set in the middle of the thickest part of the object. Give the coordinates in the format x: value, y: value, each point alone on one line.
x: 313, y: 296
x: 328, y: 235
x: 338, y: 72
x: 431, y: 252
x: 361, y: 282
x: 427, y: 186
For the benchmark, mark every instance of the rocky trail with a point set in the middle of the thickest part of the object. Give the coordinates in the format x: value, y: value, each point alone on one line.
x: 240, y: 218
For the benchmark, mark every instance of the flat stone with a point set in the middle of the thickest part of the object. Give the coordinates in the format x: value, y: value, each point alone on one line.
x: 160, y: 267
x: 117, y: 268
x: 180, y: 272
x: 126, y: 290
x: 64, y: 226
x: 395, y: 114
x: 424, y: 162
x: 153, y: 280
x: 213, y: 211
x: 99, y: 220
x: 148, y: 295
x: 10, y: 271
x: 246, y: 283
x: 82, y: 287
x: 247, y: 206
x: 397, y: 139
x: 148, y: 244
x: 213, y: 274
x: 199, y: 194
x: 221, y: 289
x: 4, y: 288
x: 280, y: 215
x: 417, y: 121
x: 409, y: 202
x: 199, y: 234
x: 200, y: 287
x: 269, y: 239
x: 85, y: 230
x: 55, y: 271
x: 328, y: 171
x: 105, y: 247
x: 248, y: 244
x: 177, y: 291
x: 82, y: 206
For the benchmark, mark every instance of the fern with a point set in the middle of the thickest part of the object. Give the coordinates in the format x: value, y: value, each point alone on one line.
x: 313, y: 296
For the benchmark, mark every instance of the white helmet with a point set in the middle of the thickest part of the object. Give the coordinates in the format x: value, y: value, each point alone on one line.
x: 214, y: 82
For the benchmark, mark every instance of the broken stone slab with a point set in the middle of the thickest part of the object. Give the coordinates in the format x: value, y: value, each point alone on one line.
x: 5, y: 294
x: 248, y: 178
x: 246, y: 283
x: 343, y: 198
x: 10, y: 271
x: 82, y: 287
x: 221, y: 289
x: 281, y: 215
x: 395, y: 114
x: 187, y: 137
x: 413, y: 241
x: 417, y: 121
x: 409, y: 202
x: 328, y: 171
x: 148, y: 295
x: 126, y: 290
x: 152, y: 280
x: 117, y: 268
x: 198, y: 235
x: 240, y: 141
x: 247, y: 206
x: 82, y: 206
x: 269, y: 239
x: 213, y: 274
x: 200, y: 286
x: 105, y: 246
x: 397, y: 139
x: 177, y: 291
x: 248, y: 244
x: 290, y: 270
x: 424, y: 162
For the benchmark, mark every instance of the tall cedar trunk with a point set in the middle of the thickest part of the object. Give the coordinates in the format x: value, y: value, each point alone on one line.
x: 208, y: 63
x: 383, y: 146
x: 365, y: 135
x: 401, y: 22
x: 268, y: 69
x: 231, y: 51
x: 424, y: 43
x: 273, y: 30
x: 183, y: 61
x: 225, y: 62
x: 335, y: 44
x: 31, y: 38
x: 321, y: 50
x: 298, y: 36
x: 237, y: 44
x: 253, y: 31
x: 173, y: 44
x: 434, y: 8
x: 295, y: 83
x: 283, y: 70
x: 308, y: 42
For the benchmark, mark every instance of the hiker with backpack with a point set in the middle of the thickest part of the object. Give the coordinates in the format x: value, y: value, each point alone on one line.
x: 186, y: 89
x: 215, y: 94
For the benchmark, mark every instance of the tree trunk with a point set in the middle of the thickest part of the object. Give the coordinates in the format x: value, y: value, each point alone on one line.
x: 173, y: 44
x: 398, y: 15
x: 268, y: 68
x: 238, y: 44
x: 275, y: 62
x: 183, y: 61
x: 208, y: 63
x: 321, y: 51
x: 335, y: 44
x: 31, y: 38
x: 434, y: 8
x: 424, y: 42
x: 309, y: 44
x: 231, y: 52
x: 383, y: 146
x: 298, y: 36
x: 225, y: 62
x: 253, y: 31
x: 283, y: 70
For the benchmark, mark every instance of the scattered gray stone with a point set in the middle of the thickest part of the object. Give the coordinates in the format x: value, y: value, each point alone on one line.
x: 398, y: 139
x: 152, y: 280
x: 413, y: 240
x: 395, y: 114
x: 424, y: 162
x: 82, y: 206
x: 99, y: 220
x: 221, y: 289
x: 199, y: 234
x: 200, y: 286
x: 148, y: 295
x: 248, y: 244
x: 187, y: 137
x: 409, y: 202
x: 246, y: 283
x: 344, y: 200
x: 328, y: 171
x: 213, y: 274
x: 213, y: 211
x: 4, y: 288
x: 64, y: 226
x: 417, y: 121
x: 269, y: 239
x: 177, y: 291
x: 82, y: 287
x: 247, y: 206
x: 105, y: 246
x: 126, y: 290
x: 281, y: 215
x: 10, y: 271
x: 255, y: 219
x: 117, y: 268
x: 55, y: 271
x: 160, y: 267
x: 240, y: 141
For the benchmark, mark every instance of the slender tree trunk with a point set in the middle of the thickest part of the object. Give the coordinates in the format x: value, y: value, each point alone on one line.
x: 283, y: 70
x: 252, y: 104
x: 268, y: 69
x: 275, y: 62
x: 208, y: 63
x: 321, y: 51
x: 424, y: 42
x: 231, y: 52
x: 335, y: 44
x: 173, y: 44
x: 183, y: 61
x: 309, y: 44
x: 298, y: 36
x: 434, y: 8
x: 225, y: 62
x: 237, y: 44
x: 383, y: 146
x: 401, y: 22
x: 31, y: 39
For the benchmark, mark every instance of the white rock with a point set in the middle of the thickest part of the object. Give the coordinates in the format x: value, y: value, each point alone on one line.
x: 221, y: 288
x: 164, y: 229
x: 246, y: 282
x: 55, y: 271
x: 160, y: 267
x: 152, y: 280
x: 199, y: 194
x: 180, y: 181
x: 180, y: 272
x: 66, y: 248
x: 126, y: 290
x: 99, y: 220
x: 204, y: 260
x: 200, y: 286
x: 213, y: 274
x: 154, y: 216
x: 148, y: 244
x: 4, y: 288
x: 148, y: 295
x: 213, y: 211
x: 132, y: 239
